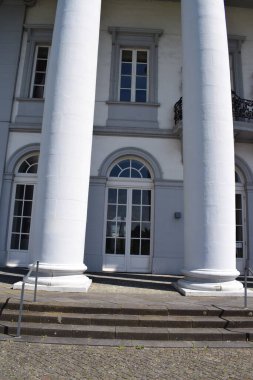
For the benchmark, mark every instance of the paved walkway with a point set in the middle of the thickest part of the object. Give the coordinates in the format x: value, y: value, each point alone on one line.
x: 135, y: 290
x: 187, y: 360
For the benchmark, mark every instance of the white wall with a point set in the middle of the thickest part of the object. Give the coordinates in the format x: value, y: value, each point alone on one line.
x: 17, y: 140
x: 166, y: 152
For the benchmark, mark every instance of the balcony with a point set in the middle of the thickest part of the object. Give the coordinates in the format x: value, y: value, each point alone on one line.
x: 242, y: 115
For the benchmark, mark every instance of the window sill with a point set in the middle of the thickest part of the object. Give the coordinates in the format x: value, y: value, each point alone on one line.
x: 20, y: 99
x: 146, y: 104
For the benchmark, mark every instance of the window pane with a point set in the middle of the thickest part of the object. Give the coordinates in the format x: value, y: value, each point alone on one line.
x: 135, y: 230
x: 125, y: 173
x: 125, y: 81
x: 145, y: 173
x: 135, y: 247
x: 239, y: 217
x: 146, y: 197
x: 146, y: 213
x: 122, y: 196
x: 23, y: 167
x: 127, y: 55
x: 124, y: 164
x: 111, y: 229
x: 136, y: 197
x: 239, y: 252
x: 16, y: 224
x: 145, y: 230
x: 33, y: 169
x: 39, y: 78
x: 136, y: 164
x: 135, y: 173
x: 141, y: 96
x: 41, y: 65
x: 121, y: 229
x: 26, y: 225
x: 141, y: 83
x: 115, y: 171
x: 14, y: 241
x: 136, y: 213
x: 142, y: 56
x: 120, y: 246
x: 145, y: 247
x: 239, y: 235
x: 27, y: 211
x: 125, y: 95
x: 238, y: 199
x: 126, y: 69
x: 141, y: 69
x: 20, y: 191
x: 110, y: 245
x: 43, y: 52
x: 38, y: 92
x: 121, y: 213
x: 111, y: 212
x: 24, y: 242
x: 18, y: 208
x: 112, y: 196
x: 29, y: 192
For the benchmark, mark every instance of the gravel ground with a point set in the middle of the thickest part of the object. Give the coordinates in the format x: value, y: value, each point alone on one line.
x: 57, y: 362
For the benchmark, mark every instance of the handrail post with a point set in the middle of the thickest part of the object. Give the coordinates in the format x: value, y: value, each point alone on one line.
x: 20, y: 309
x: 245, y: 288
x: 36, y: 281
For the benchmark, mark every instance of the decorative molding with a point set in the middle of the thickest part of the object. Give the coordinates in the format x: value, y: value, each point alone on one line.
x: 18, y: 154
x: 131, y: 151
x: 134, y: 132
x: 246, y: 171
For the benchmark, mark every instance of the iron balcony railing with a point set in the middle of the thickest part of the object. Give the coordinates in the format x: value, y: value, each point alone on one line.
x: 242, y: 109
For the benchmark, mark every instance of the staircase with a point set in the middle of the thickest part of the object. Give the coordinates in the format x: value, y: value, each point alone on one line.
x: 151, y: 323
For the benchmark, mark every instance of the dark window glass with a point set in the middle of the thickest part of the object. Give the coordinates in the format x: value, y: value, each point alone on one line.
x: 142, y: 56
x: 145, y: 230
x: 20, y: 191
x: 26, y: 225
x: 125, y: 81
x: 39, y: 78
x: 14, y: 241
x: 145, y: 247
x: 141, y: 96
x: 136, y: 213
x: 141, y: 83
x: 146, y: 197
x: 135, y: 230
x: 43, y: 52
x: 135, y: 246
x: 121, y: 212
x: 127, y: 55
x: 18, y: 208
x: 141, y: 69
x: 41, y: 65
x: 27, y: 211
x: 38, y: 92
x: 136, y: 197
x: 29, y: 192
x: 120, y: 246
x: 122, y: 196
x: 111, y: 212
x: 126, y: 68
x: 125, y: 95
x: 24, y: 242
x: 110, y: 245
x: 16, y: 224
x: 112, y: 196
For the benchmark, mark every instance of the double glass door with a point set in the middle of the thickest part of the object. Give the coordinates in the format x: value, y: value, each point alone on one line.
x: 128, y: 229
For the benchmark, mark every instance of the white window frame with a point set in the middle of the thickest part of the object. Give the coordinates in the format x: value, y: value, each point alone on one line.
x: 134, y: 73
x: 34, y: 70
x: 122, y: 262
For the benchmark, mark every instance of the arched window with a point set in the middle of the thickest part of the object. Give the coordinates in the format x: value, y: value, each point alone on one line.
x: 130, y: 168
x: 22, y: 204
x: 129, y: 216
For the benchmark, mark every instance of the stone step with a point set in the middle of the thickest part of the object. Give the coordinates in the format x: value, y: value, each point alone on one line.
x: 123, y: 319
x: 132, y: 309
x: 128, y: 333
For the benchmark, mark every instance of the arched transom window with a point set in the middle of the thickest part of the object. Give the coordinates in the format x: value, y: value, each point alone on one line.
x: 29, y: 165
x: 130, y: 168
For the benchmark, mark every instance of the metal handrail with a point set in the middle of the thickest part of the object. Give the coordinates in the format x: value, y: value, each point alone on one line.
x: 23, y: 291
x: 247, y: 270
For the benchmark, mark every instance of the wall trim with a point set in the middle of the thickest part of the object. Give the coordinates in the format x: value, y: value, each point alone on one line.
x: 243, y: 166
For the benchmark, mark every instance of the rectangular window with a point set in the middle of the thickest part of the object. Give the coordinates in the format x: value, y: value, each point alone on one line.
x: 134, y: 75
x: 39, y: 71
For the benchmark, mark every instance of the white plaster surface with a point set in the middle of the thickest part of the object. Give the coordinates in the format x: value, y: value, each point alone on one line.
x: 166, y: 152
x: 17, y: 140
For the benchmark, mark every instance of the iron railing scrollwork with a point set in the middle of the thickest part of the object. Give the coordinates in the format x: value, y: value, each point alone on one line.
x: 242, y: 109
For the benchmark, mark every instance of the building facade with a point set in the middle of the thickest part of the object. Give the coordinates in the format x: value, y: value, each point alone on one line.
x: 93, y: 93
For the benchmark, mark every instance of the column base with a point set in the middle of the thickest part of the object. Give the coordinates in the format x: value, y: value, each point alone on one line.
x: 58, y: 278
x: 202, y: 287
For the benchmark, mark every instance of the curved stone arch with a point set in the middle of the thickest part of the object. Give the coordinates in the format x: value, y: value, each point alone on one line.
x: 245, y: 170
x: 135, y: 152
x: 18, y: 154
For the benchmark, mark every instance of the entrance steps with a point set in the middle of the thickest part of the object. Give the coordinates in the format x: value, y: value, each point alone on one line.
x: 150, y: 323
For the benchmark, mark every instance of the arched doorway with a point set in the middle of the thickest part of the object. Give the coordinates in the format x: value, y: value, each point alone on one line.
x: 128, y: 231
x: 21, y: 212
x: 241, y: 221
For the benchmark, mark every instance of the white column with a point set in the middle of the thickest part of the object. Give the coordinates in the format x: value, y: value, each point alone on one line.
x: 208, y: 152
x: 64, y: 165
